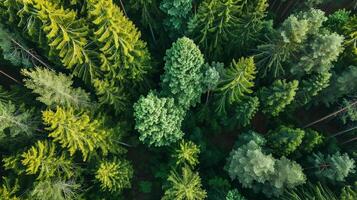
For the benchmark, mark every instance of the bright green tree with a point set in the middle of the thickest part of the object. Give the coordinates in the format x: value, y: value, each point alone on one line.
x: 187, y: 153
x: 275, y: 98
x: 183, y: 75
x: 77, y: 131
x: 350, y: 30
x: 349, y: 192
x: 234, y: 195
x: 158, y: 120
x: 185, y: 186
x: 311, y: 140
x: 42, y: 159
x: 285, y: 140
x: 236, y: 81
x: 114, y: 176
x: 55, y: 89
x: 8, y: 191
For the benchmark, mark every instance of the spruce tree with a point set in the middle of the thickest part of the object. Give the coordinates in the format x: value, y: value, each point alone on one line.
x: 183, y: 75
x: 77, y: 131
x: 187, y: 153
x: 236, y: 81
x: 275, y: 98
x: 246, y: 110
x: 285, y: 140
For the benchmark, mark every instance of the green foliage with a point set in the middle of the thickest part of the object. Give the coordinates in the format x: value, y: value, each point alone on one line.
x: 311, y: 87
x: 350, y: 30
x: 351, y: 113
x: 13, y: 49
x: 178, y: 12
x: 220, y: 26
x: 254, y: 169
x: 310, y: 192
x: 183, y: 75
x: 250, y: 165
x: 55, y: 89
x: 337, y: 20
x: 185, y: 186
x: 311, y: 140
x: 42, y: 159
x: 285, y: 140
x: 349, y: 192
x: 234, y: 195
x: 246, y: 110
x: 123, y: 55
x: 275, y: 98
x: 158, y: 120
x: 76, y: 131
x: 56, y: 190
x: 341, y: 84
x: 114, y: 175
x: 7, y: 191
x: 236, y: 81
x: 211, y: 76
x: 16, y: 121
x: 334, y: 168
x: 187, y: 153
x: 64, y: 32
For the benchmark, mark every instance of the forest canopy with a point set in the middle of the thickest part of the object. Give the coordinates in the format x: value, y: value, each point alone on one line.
x: 178, y: 99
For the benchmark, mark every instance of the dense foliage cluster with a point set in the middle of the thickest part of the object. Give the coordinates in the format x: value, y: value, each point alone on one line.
x: 178, y: 99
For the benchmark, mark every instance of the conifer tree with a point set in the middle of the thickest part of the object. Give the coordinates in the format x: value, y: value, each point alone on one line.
x: 56, y: 190
x: 42, y: 159
x: 184, y: 186
x: 77, y: 131
x: 236, y: 81
x: 158, y: 120
x: 16, y: 120
x: 275, y: 98
x: 334, y: 168
x: 55, y: 89
x: 65, y: 34
x: 341, y: 84
x: 350, y: 30
x: 311, y: 140
x: 10, y: 44
x: 246, y: 110
x: 122, y: 54
x: 187, y: 153
x: 178, y: 12
x: 114, y: 176
x: 285, y: 140
x: 234, y: 195
x: 7, y: 191
x: 183, y: 75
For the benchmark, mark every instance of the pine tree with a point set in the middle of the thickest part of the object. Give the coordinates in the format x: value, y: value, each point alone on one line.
x: 42, y: 159
x: 184, y: 186
x: 236, y: 81
x: 77, y: 131
x: 56, y: 190
x: 309, y: 192
x: 275, y: 98
x: 114, y: 176
x: 285, y: 140
x: 122, y: 54
x: 16, y: 120
x: 334, y: 168
x: 187, y: 153
x: 349, y: 192
x: 55, y: 89
x: 65, y: 34
x: 183, y: 75
x: 311, y: 140
x: 351, y: 113
x: 158, y: 120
